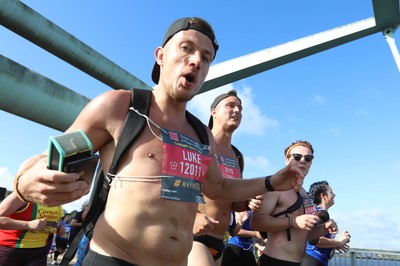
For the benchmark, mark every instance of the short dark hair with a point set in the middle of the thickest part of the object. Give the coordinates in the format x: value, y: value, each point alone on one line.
x: 316, y: 189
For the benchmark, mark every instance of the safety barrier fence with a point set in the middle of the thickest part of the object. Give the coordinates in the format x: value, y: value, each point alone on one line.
x: 367, y: 257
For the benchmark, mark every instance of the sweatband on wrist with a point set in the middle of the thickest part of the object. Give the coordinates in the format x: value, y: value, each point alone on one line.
x: 16, y: 180
x: 268, y: 185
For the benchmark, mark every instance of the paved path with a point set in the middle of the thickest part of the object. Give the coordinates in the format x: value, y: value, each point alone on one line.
x: 50, y: 260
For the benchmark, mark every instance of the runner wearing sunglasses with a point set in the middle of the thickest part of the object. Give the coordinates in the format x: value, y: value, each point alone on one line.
x: 290, y: 217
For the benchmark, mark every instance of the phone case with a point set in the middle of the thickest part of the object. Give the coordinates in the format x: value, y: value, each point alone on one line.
x: 67, y: 148
x: 88, y: 165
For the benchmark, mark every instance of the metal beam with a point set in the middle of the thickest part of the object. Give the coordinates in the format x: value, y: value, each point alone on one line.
x: 23, y: 92
x: 29, y: 95
x: 387, y: 13
x: 29, y: 24
x: 251, y: 64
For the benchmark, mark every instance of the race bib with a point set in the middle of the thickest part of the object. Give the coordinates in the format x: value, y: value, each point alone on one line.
x: 228, y: 167
x: 185, y: 164
x: 309, y: 207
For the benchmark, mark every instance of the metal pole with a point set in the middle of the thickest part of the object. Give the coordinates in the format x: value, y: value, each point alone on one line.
x: 389, y: 36
x: 29, y: 24
x: 32, y: 96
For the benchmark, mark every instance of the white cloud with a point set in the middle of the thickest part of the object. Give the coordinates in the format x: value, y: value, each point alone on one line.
x: 256, y: 165
x: 200, y: 104
x: 361, y: 113
x: 370, y: 228
x: 6, y: 178
x: 319, y: 99
x: 253, y: 122
x: 335, y: 131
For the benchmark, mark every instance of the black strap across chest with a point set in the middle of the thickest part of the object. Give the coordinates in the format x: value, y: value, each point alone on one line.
x: 133, y: 127
x: 294, y: 207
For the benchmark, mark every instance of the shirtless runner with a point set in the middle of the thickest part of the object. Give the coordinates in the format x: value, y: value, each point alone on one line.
x: 138, y: 227
x: 213, y: 217
x: 290, y: 218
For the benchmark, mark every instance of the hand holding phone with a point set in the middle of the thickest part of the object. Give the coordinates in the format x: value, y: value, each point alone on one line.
x: 72, y: 153
x: 87, y: 165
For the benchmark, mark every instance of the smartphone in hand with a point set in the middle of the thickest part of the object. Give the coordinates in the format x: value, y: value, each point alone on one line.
x: 72, y: 153
x: 87, y: 165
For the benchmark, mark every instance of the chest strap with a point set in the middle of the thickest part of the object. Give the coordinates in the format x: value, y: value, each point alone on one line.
x: 294, y: 207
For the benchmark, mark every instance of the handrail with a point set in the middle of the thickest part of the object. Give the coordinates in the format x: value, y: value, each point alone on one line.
x: 371, y: 257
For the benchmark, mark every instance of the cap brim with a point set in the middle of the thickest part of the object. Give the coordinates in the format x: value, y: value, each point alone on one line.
x: 155, y: 75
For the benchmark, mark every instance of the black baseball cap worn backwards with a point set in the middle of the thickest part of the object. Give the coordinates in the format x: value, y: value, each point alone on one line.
x: 216, y: 102
x: 177, y: 26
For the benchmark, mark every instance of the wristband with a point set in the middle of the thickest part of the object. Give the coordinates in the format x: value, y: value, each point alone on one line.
x: 268, y: 185
x: 19, y: 195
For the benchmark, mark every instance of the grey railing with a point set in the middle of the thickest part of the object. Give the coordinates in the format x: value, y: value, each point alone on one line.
x: 367, y: 257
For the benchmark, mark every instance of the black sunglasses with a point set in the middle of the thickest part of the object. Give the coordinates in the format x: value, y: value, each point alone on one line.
x: 308, y: 158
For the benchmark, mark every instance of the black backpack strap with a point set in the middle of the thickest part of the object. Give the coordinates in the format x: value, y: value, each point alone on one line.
x: 239, y: 157
x: 295, y: 206
x: 72, y: 248
x: 90, y: 220
x: 199, y: 127
x: 134, y: 125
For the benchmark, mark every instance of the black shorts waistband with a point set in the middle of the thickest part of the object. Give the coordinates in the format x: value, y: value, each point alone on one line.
x: 96, y: 259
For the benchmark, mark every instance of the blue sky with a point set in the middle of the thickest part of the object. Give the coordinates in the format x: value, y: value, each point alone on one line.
x: 344, y: 100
